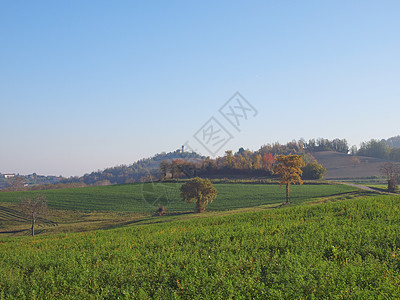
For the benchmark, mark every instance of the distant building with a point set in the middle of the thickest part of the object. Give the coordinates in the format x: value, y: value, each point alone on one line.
x: 8, y: 175
x: 181, y: 150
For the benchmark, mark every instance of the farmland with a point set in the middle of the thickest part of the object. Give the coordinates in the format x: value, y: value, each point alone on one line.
x: 345, y: 249
x: 144, y: 197
x: 84, y: 209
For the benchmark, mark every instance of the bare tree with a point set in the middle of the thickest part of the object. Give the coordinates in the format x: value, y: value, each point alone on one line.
x: 32, y: 207
x: 392, y: 173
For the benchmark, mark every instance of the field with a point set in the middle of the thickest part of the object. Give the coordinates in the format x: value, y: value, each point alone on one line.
x: 346, y: 249
x: 83, y: 209
x: 144, y: 197
x: 341, y: 166
x: 332, y: 241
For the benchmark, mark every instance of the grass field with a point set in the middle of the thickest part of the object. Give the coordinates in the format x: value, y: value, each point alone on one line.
x: 144, y: 198
x: 347, y: 249
x: 85, y: 209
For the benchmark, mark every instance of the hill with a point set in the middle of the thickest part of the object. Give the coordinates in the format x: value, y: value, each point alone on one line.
x: 341, y: 250
x: 140, y: 170
x: 340, y: 165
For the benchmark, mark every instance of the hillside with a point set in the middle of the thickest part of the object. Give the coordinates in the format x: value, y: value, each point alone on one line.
x: 137, y: 171
x: 90, y: 208
x: 342, y: 250
x: 340, y: 165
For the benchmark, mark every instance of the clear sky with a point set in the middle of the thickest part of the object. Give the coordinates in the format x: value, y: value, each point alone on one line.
x: 86, y: 85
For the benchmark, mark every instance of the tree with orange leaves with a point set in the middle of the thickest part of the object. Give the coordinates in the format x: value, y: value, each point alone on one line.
x: 288, y: 168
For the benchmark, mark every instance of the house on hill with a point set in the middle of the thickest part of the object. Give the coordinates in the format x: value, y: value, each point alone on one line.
x: 181, y: 150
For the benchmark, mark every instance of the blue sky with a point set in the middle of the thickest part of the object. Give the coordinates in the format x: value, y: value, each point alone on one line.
x: 86, y: 85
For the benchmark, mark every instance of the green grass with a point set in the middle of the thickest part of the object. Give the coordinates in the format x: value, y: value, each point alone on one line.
x: 381, y: 187
x: 346, y: 249
x: 144, y: 198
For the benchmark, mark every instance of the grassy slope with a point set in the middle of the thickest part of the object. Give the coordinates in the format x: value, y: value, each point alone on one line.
x: 334, y: 250
x: 144, y: 198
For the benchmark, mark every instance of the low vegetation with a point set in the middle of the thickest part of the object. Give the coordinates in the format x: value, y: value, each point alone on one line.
x: 144, y: 198
x: 348, y: 249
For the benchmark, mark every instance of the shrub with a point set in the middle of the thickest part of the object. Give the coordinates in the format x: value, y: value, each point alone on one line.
x: 313, y: 171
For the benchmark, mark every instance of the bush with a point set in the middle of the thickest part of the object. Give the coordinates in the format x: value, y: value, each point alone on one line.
x: 313, y: 171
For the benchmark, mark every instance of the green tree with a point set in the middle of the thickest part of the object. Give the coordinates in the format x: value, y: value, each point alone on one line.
x: 313, y: 171
x: 374, y: 148
x: 289, y: 171
x: 200, y: 190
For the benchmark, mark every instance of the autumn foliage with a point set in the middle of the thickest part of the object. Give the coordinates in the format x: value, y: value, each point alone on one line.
x: 288, y: 169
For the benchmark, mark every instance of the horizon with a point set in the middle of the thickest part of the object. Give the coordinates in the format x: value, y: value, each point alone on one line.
x: 87, y: 86
x: 162, y: 152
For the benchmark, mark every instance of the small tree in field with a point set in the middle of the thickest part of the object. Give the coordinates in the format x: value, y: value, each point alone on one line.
x: 33, y: 207
x: 392, y: 173
x: 200, y: 190
x: 289, y: 171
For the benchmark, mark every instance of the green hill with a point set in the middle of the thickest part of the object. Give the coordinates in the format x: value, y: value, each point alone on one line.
x: 347, y: 249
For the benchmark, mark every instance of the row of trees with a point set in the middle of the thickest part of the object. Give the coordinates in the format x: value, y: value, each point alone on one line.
x: 243, y: 162
x: 379, y: 149
x: 18, y: 183
x: 338, y: 145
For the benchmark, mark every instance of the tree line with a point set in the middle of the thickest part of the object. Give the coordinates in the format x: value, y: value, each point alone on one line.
x: 378, y: 149
x: 245, y: 163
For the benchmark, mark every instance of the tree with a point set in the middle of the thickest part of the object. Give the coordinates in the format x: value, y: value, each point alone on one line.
x: 33, y: 207
x: 200, y: 190
x: 267, y: 161
x: 164, y: 168
x: 353, y: 150
x: 229, y: 160
x: 392, y: 173
x: 176, y: 168
x: 289, y: 171
x: 394, y: 154
x: 313, y: 171
x: 374, y: 148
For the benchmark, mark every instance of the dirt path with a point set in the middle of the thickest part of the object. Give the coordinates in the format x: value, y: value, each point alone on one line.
x: 362, y: 187
x: 367, y: 188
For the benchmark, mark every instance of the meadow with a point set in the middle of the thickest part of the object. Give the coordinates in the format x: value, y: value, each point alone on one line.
x: 338, y: 250
x: 143, y: 198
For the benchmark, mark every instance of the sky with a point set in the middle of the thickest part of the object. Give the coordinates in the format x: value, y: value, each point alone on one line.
x: 86, y: 85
